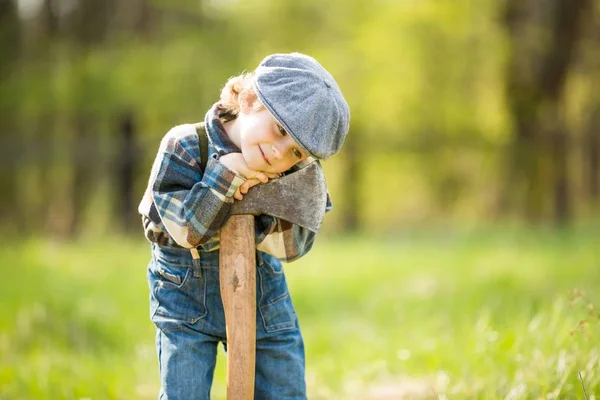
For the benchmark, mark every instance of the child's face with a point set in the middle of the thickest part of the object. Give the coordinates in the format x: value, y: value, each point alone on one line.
x: 265, y: 145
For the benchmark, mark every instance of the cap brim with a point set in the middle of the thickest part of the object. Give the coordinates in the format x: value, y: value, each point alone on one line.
x: 281, y: 121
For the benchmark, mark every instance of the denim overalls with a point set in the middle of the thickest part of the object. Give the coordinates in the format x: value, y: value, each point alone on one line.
x: 186, y: 308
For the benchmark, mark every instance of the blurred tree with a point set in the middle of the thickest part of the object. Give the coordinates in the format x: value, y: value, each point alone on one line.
x: 87, y: 27
x: 124, y: 172
x: 590, y: 66
x: 542, y: 38
x: 86, y: 83
x: 593, y: 156
x: 352, y: 179
x: 10, y: 38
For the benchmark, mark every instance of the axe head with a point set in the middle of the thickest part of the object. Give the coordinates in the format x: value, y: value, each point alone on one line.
x: 299, y: 197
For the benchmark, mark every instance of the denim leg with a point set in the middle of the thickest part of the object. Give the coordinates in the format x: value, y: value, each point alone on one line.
x: 186, y: 344
x: 186, y: 361
x: 280, y: 359
x: 186, y: 307
x: 280, y: 367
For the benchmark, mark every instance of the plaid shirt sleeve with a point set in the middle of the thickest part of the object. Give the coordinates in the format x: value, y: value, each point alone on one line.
x: 191, y: 205
x: 282, y: 239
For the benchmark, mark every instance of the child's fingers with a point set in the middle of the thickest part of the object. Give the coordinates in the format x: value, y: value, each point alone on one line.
x: 245, y: 187
x: 272, y: 175
x: 252, y: 182
x: 238, y: 195
x: 261, y: 176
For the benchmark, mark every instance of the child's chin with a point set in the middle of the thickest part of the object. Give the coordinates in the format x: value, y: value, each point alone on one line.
x: 256, y: 166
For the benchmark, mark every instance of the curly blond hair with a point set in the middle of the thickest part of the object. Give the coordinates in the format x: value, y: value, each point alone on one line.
x: 239, y: 89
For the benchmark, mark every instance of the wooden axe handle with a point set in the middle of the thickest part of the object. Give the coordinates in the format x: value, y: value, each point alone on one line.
x: 237, y: 275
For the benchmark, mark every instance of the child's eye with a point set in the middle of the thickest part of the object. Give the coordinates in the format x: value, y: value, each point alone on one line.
x: 297, y: 153
x: 281, y: 130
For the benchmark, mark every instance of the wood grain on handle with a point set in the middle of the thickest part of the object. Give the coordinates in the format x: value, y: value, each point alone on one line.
x: 237, y: 274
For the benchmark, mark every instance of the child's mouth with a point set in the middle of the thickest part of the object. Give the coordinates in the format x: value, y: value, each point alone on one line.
x: 264, y: 156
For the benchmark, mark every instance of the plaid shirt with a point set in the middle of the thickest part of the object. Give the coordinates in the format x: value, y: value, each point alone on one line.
x: 184, y: 207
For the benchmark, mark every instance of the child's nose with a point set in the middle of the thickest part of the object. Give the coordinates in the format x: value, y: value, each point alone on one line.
x: 281, y: 148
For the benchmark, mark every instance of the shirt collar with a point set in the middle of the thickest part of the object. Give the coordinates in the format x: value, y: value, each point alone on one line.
x: 214, y: 119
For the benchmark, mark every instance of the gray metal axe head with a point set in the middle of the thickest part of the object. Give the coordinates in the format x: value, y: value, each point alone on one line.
x: 299, y: 197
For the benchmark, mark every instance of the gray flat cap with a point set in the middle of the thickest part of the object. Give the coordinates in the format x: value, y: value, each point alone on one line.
x: 305, y: 99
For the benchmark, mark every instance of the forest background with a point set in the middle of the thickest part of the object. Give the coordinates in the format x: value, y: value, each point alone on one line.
x: 473, y: 154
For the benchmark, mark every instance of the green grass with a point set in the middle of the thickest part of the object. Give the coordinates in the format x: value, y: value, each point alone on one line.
x: 491, y: 315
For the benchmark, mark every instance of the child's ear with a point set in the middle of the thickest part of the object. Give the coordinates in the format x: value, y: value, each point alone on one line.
x: 247, y: 100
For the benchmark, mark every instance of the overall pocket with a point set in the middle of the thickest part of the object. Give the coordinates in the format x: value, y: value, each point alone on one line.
x: 177, y: 289
x: 275, y: 304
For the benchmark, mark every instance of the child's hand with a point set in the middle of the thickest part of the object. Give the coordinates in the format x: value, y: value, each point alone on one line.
x: 244, y: 187
x: 236, y: 162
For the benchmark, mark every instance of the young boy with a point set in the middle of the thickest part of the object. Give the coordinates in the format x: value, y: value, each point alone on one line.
x: 289, y: 110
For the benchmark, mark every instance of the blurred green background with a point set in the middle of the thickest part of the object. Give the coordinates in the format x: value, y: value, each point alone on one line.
x: 461, y: 259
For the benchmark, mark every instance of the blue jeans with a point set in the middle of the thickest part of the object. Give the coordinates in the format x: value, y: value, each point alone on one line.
x: 186, y: 308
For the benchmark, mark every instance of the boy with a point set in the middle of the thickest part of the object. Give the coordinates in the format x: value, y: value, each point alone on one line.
x: 288, y: 111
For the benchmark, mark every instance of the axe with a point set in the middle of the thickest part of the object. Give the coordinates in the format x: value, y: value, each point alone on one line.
x: 299, y: 197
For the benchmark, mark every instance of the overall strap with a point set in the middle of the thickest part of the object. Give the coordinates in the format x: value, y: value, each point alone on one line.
x: 202, y: 144
x: 203, y: 147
